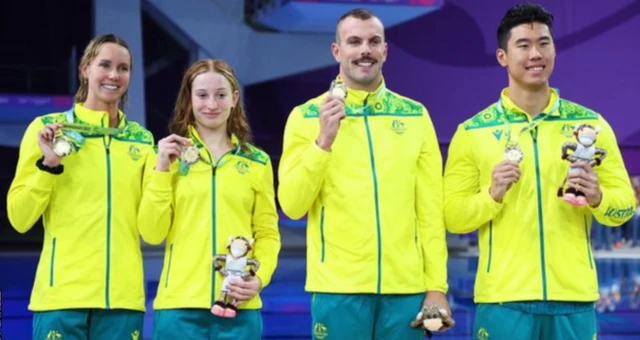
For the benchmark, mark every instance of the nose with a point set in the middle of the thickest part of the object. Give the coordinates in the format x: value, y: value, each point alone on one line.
x: 365, y: 50
x: 535, y: 54
x: 113, y: 74
x: 211, y: 103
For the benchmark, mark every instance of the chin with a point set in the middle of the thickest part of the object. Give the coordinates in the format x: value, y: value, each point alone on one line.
x: 110, y: 100
x: 535, y: 84
x: 210, y: 125
x: 366, y: 80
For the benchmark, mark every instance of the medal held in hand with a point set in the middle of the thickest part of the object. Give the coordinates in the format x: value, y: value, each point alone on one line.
x: 513, y: 152
x: 190, y: 155
x: 338, y: 89
x: 62, y: 145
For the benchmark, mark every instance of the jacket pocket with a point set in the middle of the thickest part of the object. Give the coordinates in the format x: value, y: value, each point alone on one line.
x: 322, y: 245
x: 490, y: 246
x: 51, y: 266
x: 416, y: 241
x: 588, y: 240
x: 166, y: 278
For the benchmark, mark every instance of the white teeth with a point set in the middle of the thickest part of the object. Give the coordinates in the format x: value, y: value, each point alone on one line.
x: 366, y: 63
x: 110, y: 87
x: 536, y: 68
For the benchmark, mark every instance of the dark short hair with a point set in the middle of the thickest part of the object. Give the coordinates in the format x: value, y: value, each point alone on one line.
x: 522, y: 14
x: 358, y: 13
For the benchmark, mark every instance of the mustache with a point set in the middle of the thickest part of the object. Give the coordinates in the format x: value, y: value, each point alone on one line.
x: 365, y: 59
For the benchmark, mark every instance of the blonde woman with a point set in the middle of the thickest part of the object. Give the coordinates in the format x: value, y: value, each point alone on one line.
x: 81, y: 171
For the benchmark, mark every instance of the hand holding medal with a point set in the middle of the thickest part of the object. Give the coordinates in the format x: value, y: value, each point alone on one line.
x: 50, y: 144
x: 174, y: 147
x: 331, y: 113
x: 338, y: 89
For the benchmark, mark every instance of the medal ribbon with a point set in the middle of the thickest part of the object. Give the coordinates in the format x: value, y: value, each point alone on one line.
x: 532, y: 125
x: 360, y: 110
x: 73, y: 131
x: 184, y: 167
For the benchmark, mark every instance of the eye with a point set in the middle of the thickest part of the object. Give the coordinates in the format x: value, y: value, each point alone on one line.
x: 222, y: 95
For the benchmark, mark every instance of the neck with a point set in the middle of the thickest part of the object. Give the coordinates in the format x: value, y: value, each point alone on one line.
x: 215, y: 139
x: 372, y: 86
x: 532, y: 101
x: 111, y: 108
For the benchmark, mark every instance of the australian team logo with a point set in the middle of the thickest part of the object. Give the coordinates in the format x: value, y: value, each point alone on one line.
x: 398, y: 126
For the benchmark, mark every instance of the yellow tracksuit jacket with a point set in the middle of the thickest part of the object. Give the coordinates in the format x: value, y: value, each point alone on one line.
x: 197, y: 211
x: 91, y: 256
x: 374, y: 202
x: 533, y: 245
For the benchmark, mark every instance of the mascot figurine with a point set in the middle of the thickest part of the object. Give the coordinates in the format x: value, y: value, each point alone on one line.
x: 235, y: 264
x: 583, y: 150
x: 432, y: 318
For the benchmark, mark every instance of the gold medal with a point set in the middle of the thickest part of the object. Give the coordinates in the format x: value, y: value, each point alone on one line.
x: 191, y: 155
x: 338, y: 89
x: 513, y: 153
x: 62, y: 146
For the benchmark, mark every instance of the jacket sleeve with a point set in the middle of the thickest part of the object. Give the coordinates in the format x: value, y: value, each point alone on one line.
x: 156, y: 206
x: 30, y: 191
x: 301, y: 170
x: 429, y: 210
x: 618, y: 203
x: 265, y: 227
x: 467, y: 205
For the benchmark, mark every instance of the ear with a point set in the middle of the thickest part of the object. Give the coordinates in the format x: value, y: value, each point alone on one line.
x: 251, y: 241
x: 598, y: 129
x: 501, y: 56
x: 83, y: 70
x: 230, y: 238
x: 386, y: 50
x: 335, y: 50
x: 236, y: 97
x: 577, y: 127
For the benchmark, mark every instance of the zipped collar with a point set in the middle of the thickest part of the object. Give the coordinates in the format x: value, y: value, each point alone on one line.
x: 97, y: 118
x: 357, y: 97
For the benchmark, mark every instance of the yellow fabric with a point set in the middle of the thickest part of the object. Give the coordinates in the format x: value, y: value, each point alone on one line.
x: 533, y: 245
x: 374, y: 202
x: 199, y: 211
x: 91, y: 255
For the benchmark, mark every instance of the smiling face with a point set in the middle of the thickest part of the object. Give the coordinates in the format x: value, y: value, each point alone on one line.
x: 529, y: 56
x: 361, y: 51
x: 107, y: 75
x: 212, y: 99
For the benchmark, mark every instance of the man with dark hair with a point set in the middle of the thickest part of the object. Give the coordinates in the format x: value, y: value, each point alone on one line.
x: 536, y: 275
x: 364, y: 164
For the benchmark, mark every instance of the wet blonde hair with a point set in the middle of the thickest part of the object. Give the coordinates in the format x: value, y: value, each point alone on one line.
x: 90, y: 52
